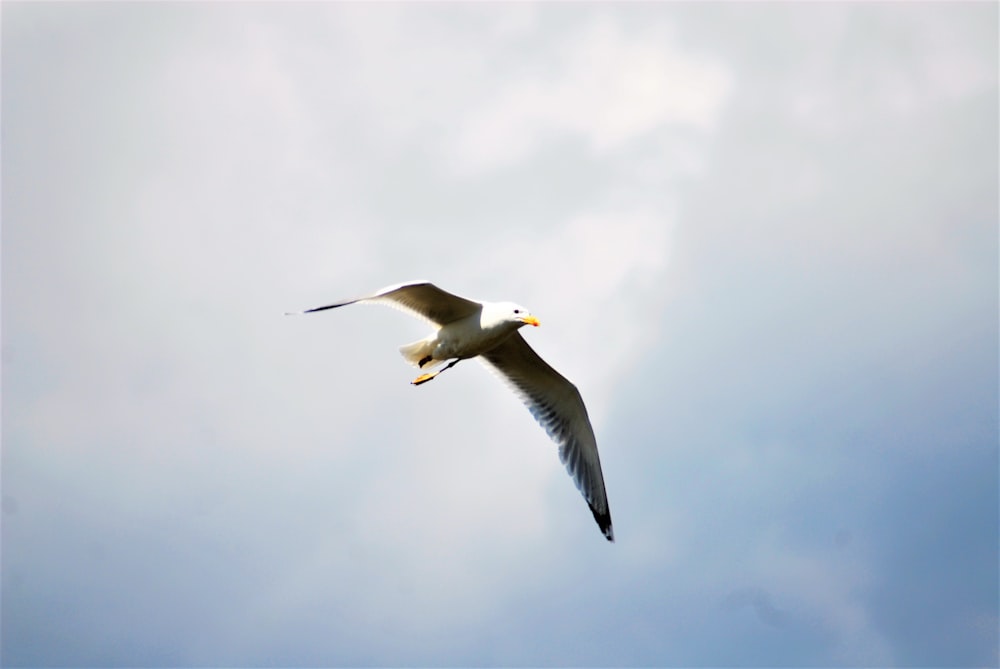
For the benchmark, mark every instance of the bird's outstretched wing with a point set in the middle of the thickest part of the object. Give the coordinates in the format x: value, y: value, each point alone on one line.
x: 558, y: 407
x: 419, y: 298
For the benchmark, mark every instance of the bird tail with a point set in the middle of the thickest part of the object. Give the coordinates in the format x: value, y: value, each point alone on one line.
x: 420, y: 353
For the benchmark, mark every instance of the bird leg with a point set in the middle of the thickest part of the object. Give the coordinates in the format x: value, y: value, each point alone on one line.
x: 424, y: 378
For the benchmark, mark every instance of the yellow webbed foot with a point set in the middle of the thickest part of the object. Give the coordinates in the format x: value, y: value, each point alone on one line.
x: 423, y: 378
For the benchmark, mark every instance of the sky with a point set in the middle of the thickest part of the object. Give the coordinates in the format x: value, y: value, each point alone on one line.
x: 762, y: 240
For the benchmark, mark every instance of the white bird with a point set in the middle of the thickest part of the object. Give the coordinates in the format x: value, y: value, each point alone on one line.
x: 489, y: 331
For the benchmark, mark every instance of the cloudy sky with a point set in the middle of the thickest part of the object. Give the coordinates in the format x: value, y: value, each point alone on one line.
x: 761, y: 239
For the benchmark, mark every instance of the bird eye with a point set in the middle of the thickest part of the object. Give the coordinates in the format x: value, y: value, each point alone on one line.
x: 517, y: 311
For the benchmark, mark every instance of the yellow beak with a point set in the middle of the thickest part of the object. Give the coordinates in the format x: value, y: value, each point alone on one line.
x: 531, y: 320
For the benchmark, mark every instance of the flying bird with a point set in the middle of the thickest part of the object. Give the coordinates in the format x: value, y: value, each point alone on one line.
x: 489, y: 331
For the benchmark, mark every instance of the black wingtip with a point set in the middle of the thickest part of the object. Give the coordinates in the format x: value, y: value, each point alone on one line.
x: 603, y: 519
x: 329, y: 306
x: 309, y: 311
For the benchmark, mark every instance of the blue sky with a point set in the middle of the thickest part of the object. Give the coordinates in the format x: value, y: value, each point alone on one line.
x: 761, y: 238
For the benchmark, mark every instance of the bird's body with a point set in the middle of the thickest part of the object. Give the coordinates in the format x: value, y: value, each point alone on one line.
x: 467, y: 337
x: 489, y: 330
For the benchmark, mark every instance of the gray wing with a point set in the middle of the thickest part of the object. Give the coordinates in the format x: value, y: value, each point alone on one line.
x: 558, y: 407
x: 419, y: 298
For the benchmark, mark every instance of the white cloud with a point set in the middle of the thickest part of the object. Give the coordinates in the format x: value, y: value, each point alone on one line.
x: 600, y: 84
x: 817, y: 590
x: 888, y: 61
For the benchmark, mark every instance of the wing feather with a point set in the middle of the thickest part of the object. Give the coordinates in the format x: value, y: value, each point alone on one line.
x: 558, y: 407
x: 418, y: 298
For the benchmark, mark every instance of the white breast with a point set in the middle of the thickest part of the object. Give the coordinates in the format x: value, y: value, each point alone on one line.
x: 472, y: 336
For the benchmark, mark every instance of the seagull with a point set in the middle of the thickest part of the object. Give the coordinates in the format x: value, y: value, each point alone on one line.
x: 468, y: 329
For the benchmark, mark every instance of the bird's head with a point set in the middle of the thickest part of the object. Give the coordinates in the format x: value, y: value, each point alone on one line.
x: 516, y: 315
